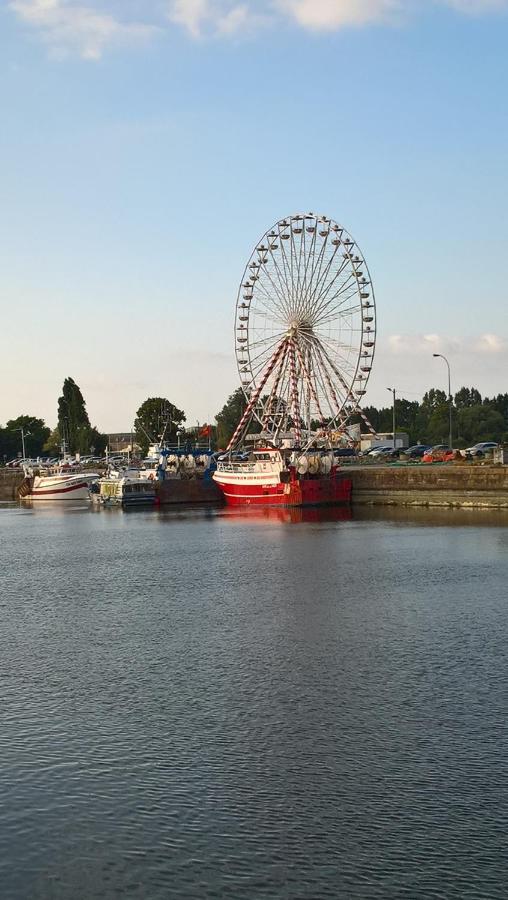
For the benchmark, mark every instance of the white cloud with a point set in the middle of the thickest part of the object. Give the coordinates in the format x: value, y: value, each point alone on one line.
x: 67, y: 27
x: 491, y: 343
x: 200, y: 17
x: 333, y: 14
x: 424, y: 344
x: 90, y: 27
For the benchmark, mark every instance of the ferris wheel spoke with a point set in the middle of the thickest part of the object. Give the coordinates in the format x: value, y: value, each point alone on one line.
x: 335, y: 348
x: 346, y: 289
x: 339, y: 374
x: 273, y: 301
x: 342, y: 362
x: 285, y: 261
x: 260, y: 359
x: 297, y: 257
x: 282, y: 281
x: 346, y: 284
x: 318, y: 275
x: 310, y: 258
x: 329, y: 389
x: 281, y: 300
x: 330, y: 316
x: 310, y: 385
x: 321, y: 281
x: 270, y: 302
x: 315, y: 268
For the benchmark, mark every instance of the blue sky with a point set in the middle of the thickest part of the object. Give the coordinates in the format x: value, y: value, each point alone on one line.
x: 147, y: 146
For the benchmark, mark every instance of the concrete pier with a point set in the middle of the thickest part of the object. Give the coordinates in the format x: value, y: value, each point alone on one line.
x: 10, y: 480
x: 473, y: 486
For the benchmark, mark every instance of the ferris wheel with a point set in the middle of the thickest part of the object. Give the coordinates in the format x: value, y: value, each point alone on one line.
x: 305, y: 328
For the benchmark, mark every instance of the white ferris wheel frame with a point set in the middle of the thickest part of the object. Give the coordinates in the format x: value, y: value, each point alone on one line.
x: 292, y: 327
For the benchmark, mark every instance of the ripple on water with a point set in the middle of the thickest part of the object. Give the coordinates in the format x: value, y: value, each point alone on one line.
x: 212, y: 706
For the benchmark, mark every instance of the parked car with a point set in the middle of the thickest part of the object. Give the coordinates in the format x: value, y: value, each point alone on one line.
x: 372, y: 450
x: 379, y: 452
x: 416, y: 451
x: 480, y: 450
x: 344, y: 451
x: 439, y: 454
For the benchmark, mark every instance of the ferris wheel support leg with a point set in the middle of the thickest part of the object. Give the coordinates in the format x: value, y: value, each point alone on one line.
x: 256, y: 395
x: 328, y: 380
x: 294, y: 392
x: 357, y: 407
x: 310, y: 384
x: 273, y: 393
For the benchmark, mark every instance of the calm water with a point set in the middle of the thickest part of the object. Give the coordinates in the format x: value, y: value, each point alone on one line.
x: 212, y: 705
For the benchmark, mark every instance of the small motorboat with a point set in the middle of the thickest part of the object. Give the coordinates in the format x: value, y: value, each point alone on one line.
x: 129, y: 488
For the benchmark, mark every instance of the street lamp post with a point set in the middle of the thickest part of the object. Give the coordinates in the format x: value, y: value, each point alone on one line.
x: 450, y: 404
x: 392, y: 391
x: 24, y: 434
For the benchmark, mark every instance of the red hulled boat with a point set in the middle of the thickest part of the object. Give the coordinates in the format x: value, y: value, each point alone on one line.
x: 269, y: 476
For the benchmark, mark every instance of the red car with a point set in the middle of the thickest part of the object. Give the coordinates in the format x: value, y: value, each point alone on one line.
x: 438, y: 454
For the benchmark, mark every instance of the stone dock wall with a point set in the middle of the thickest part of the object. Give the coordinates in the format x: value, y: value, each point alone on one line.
x: 10, y: 481
x: 470, y: 486
x: 448, y: 485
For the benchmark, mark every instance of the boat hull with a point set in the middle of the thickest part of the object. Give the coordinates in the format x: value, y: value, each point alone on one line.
x: 328, y: 490
x: 56, y: 487
x: 66, y: 492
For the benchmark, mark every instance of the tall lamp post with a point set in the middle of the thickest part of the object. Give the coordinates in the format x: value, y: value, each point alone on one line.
x: 392, y: 391
x: 24, y: 434
x: 440, y: 356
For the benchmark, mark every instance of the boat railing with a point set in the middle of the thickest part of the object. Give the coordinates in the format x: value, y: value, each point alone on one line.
x: 236, y: 467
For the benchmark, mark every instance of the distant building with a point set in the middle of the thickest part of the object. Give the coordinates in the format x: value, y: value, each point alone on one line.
x: 122, y: 442
x: 373, y: 440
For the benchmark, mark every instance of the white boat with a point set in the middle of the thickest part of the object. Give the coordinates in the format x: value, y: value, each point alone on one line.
x: 57, y: 485
x: 128, y: 488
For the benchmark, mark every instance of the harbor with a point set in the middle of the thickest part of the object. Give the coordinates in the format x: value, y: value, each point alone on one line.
x: 253, y: 450
x: 474, y: 486
x: 192, y: 695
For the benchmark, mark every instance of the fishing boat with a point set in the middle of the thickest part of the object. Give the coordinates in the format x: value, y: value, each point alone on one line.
x: 56, y: 485
x: 271, y: 476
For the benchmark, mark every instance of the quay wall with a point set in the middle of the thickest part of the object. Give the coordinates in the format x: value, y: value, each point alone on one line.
x: 189, y: 490
x: 10, y: 481
x: 447, y: 485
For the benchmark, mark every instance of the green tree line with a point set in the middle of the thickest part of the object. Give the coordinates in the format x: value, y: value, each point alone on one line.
x: 427, y: 421
x: 73, y: 428
x: 473, y: 418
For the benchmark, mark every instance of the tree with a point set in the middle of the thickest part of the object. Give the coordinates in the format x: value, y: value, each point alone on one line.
x: 36, y: 435
x: 73, y: 422
x: 434, y: 399
x: 500, y: 404
x: 53, y: 443
x: 467, y: 397
x: 98, y: 442
x: 157, y: 416
x: 229, y: 416
x: 481, y: 423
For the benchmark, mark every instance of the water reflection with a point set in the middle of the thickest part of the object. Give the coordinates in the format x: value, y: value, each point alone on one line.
x: 198, y: 704
x: 432, y: 516
x: 290, y: 515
